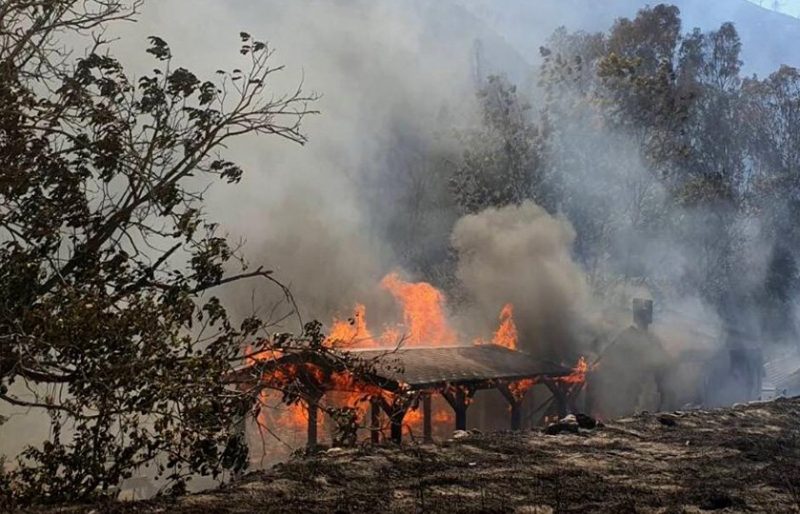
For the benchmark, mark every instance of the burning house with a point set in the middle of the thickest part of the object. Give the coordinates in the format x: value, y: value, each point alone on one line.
x: 407, y: 379
x: 421, y: 378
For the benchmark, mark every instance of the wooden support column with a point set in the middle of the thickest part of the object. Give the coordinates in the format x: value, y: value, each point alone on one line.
x: 375, y: 420
x: 313, y: 410
x: 559, y: 397
x: 589, y: 399
x: 515, y: 404
x: 571, y: 395
x: 461, y: 409
x: 396, y: 412
x: 396, y: 421
x: 516, y: 416
x: 458, y: 402
x: 427, y: 421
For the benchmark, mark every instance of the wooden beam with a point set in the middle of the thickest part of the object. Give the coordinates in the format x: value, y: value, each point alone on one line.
x: 448, y: 396
x: 386, y: 406
x: 396, y: 425
x: 458, y: 402
x: 311, y: 442
x: 396, y: 410
x: 461, y: 409
x: 427, y: 421
x: 516, y: 406
x: 559, y: 397
x: 375, y: 420
x: 507, y: 394
x: 396, y: 416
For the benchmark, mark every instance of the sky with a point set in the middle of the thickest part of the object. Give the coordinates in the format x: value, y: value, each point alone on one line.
x: 790, y: 7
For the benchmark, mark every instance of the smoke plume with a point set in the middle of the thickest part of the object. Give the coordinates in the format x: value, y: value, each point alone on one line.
x: 522, y: 255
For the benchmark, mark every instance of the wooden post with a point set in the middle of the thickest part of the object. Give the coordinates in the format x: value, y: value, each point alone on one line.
x: 396, y: 412
x: 311, y: 442
x: 461, y: 410
x: 516, y: 406
x: 427, y: 422
x: 375, y: 420
x: 396, y: 420
x: 571, y: 396
x: 459, y: 404
x: 559, y: 396
x: 516, y: 416
x: 589, y: 399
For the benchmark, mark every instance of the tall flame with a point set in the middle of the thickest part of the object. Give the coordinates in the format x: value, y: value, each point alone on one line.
x: 506, y: 334
x: 578, y: 375
x: 423, y: 312
x: 352, y: 331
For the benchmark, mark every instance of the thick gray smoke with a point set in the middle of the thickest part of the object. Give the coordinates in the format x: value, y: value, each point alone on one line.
x: 522, y: 255
x: 395, y: 79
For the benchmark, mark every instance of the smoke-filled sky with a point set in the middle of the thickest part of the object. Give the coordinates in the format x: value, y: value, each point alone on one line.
x: 389, y: 73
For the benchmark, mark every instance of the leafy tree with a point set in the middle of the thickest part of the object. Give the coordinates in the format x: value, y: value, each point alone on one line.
x: 595, y: 161
x: 780, y: 287
x: 641, y: 90
x: 772, y: 115
x: 501, y: 161
x: 708, y: 182
x: 709, y: 67
x: 108, y: 321
x: 721, y: 148
x: 772, y: 111
x: 650, y: 38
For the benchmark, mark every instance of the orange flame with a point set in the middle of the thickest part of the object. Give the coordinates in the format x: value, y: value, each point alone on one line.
x: 424, y: 324
x: 506, y: 334
x: 442, y: 419
x: 578, y: 375
x: 520, y: 387
x: 352, y: 331
x: 296, y: 416
x: 423, y: 311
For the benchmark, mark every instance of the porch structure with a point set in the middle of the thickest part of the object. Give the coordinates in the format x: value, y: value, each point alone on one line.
x: 413, y: 375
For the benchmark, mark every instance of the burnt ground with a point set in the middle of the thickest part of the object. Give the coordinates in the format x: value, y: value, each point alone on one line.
x: 743, y: 459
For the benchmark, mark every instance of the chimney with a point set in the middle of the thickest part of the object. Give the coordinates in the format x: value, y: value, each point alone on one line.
x: 642, y: 313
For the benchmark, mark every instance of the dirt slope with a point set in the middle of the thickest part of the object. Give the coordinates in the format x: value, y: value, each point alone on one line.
x: 744, y: 459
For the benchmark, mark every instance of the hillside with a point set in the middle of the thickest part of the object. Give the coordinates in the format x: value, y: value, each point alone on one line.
x: 742, y: 459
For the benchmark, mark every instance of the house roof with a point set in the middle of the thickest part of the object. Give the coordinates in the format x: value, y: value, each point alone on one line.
x: 420, y: 367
